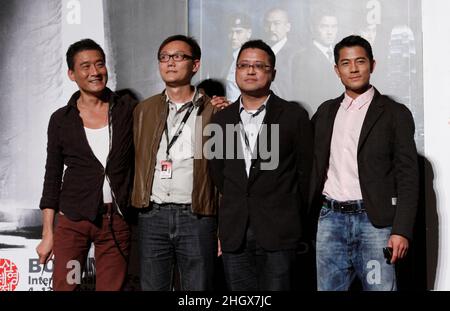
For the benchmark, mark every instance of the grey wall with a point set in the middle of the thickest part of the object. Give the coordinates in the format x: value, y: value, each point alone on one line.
x: 135, y: 29
x: 30, y: 88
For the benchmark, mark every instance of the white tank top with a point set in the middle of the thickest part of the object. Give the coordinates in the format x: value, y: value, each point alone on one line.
x: 98, y: 140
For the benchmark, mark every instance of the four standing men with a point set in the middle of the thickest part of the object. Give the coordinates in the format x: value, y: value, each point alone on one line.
x: 364, y: 176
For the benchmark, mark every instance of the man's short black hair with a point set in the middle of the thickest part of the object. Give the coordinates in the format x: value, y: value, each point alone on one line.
x: 351, y: 41
x: 79, y: 46
x: 195, y: 48
x: 212, y: 87
x: 259, y: 44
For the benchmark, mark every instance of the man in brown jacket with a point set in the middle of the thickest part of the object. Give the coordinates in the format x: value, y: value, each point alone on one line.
x: 171, y: 184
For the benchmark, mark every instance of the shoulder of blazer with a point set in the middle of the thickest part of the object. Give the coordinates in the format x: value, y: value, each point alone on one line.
x: 151, y: 103
x: 275, y: 100
x: 390, y: 105
x: 205, y: 106
x: 326, y: 106
x: 227, y: 114
x: 291, y: 108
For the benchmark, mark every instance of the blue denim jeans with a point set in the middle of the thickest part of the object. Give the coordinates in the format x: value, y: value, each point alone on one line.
x: 171, y: 234
x: 348, y: 245
x: 254, y: 269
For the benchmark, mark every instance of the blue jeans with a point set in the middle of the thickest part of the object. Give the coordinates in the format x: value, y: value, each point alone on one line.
x: 348, y: 245
x: 254, y: 269
x: 170, y: 234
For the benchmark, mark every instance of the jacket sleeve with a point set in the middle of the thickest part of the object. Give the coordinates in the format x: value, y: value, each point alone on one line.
x: 406, y: 173
x: 54, y: 167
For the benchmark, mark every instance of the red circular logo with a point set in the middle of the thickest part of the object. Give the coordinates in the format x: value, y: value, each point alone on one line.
x: 9, y: 276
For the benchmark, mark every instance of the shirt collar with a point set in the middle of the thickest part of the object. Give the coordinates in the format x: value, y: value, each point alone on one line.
x: 195, y: 98
x: 241, y: 106
x: 323, y: 48
x: 279, y: 45
x: 360, y: 101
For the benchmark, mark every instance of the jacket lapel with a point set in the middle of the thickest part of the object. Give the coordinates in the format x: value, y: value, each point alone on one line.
x: 273, y: 110
x: 238, y: 152
x: 235, y: 117
x: 374, y: 112
x: 160, y: 116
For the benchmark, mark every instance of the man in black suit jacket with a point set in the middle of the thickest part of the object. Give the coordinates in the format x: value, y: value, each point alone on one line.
x: 262, y: 172
x: 364, y: 178
x: 277, y: 28
x: 312, y: 71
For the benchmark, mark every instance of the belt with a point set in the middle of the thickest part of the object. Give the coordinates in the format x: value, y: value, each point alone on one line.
x: 171, y: 205
x: 349, y: 207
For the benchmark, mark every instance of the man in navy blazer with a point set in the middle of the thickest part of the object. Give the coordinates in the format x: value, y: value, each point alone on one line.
x: 262, y: 172
x: 365, y: 178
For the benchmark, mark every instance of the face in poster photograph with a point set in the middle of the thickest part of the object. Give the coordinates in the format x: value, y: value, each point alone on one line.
x: 303, y: 34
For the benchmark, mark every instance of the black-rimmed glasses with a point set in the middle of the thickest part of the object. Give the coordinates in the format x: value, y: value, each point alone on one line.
x: 256, y: 66
x: 177, y: 57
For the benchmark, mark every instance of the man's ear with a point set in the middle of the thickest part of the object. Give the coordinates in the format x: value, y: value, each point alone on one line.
x: 372, y: 66
x: 196, y: 66
x: 274, y: 73
x: 336, y: 69
x: 71, y: 74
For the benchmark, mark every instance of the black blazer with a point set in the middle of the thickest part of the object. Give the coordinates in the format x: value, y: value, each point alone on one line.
x: 282, y: 85
x: 269, y: 201
x: 314, y: 78
x: 387, y: 162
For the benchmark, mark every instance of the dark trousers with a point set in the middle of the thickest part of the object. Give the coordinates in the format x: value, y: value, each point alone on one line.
x: 254, y: 269
x: 72, y: 241
x: 170, y: 235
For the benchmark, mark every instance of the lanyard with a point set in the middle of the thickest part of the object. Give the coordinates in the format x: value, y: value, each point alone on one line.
x: 179, y: 130
x: 243, y: 132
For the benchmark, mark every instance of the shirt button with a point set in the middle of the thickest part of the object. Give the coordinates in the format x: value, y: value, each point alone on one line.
x: 168, y: 194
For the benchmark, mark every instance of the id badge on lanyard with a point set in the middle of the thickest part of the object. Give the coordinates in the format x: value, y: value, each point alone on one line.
x: 167, y: 165
x: 166, y: 169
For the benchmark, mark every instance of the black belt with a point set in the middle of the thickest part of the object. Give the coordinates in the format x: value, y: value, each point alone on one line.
x: 354, y: 206
x: 172, y: 205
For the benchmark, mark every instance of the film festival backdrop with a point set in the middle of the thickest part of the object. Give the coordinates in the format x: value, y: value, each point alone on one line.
x: 33, y: 83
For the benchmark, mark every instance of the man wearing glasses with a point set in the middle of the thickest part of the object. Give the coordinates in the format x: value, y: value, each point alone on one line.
x: 262, y: 172
x: 171, y: 185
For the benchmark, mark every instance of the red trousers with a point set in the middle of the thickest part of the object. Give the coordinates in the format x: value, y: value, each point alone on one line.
x: 72, y: 241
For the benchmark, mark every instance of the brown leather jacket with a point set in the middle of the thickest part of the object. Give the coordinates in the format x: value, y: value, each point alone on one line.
x: 148, y: 127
